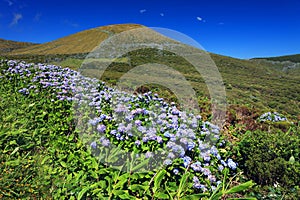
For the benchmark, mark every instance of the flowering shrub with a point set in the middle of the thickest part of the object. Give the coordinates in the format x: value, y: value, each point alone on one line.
x: 272, y: 117
x: 158, y: 139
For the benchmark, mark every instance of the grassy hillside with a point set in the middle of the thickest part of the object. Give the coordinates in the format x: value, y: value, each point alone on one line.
x: 257, y: 84
x: 81, y: 42
x: 9, y: 45
x: 293, y: 58
x: 58, y: 141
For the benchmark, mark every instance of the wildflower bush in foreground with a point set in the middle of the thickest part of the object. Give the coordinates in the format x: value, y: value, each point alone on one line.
x: 82, y: 139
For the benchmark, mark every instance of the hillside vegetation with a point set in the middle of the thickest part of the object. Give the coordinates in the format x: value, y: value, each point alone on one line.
x: 81, y: 42
x: 9, y: 45
x: 259, y: 84
x: 293, y: 58
x: 64, y: 135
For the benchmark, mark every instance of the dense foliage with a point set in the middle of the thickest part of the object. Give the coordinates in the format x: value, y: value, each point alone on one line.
x: 272, y: 159
x: 45, y: 153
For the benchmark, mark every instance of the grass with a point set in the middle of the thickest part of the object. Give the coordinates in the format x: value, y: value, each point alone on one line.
x: 81, y: 42
x: 8, y: 45
x: 292, y: 58
x: 258, y: 85
x: 41, y: 152
x: 43, y: 156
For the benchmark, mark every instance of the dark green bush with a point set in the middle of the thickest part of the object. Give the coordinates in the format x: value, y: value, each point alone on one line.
x: 271, y: 157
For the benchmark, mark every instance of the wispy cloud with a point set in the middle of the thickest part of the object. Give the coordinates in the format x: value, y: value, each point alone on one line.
x: 162, y: 14
x: 17, y: 17
x: 221, y: 23
x: 199, y: 18
x: 10, y: 3
x: 37, y: 17
x: 142, y: 11
x: 69, y: 23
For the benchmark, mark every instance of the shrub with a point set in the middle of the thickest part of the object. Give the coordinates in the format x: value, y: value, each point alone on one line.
x: 271, y: 158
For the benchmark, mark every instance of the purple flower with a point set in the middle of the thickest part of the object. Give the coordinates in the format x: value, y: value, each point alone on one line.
x: 138, y: 122
x: 159, y: 139
x: 211, y: 178
x: 231, y: 164
x: 214, y: 151
x: 101, y: 128
x: 223, y: 163
x: 105, y: 142
x: 175, y: 171
x: 197, y: 185
x: 102, y: 117
x: 122, y: 128
x: 186, y: 161
x: 137, y: 143
x: 148, y: 154
x: 167, y: 162
x: 220, y: 167
x: 190, y: 145
x: 113, y: 132
x: 196, y: 166
x: 94, y: 145
x: 171, y: 155
x: 206, y: 171
x: 121, y: 108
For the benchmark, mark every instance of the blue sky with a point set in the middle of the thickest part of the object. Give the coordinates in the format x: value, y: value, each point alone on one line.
x: 237, y: 28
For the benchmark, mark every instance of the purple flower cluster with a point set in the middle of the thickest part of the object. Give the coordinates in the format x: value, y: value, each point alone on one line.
x: 145, y: 120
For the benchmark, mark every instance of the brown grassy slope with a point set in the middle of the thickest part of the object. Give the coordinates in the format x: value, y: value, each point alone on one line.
x: 81, y: 42
x: 9, y: 45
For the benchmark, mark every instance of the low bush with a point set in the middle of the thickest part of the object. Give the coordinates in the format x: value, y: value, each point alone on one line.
x: 271, y: 158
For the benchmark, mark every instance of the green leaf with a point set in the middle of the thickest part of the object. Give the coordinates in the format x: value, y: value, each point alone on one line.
x: 126, y: 196
x: 82, y: 192
x: 122, y: 180
x: 240, y: 188
x: 17, y: 149
x: 183, y: 180
x: 63, y: 164
x: 292, y: 160
x: 139, y: 166
x: 161, y: 195
x: 158, y: 178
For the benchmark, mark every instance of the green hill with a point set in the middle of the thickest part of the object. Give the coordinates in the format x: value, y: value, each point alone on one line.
x: 257, y: 84
x: 292, y: 58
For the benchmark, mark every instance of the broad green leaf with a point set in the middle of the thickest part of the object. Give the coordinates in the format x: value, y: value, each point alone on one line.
x: 292, y: 160
x: 161, y: 195
x: 136, y: 187
x: 139, y: 166
x: 63, y: 164
x: 183, y: 180
x: 240, y: 188
x: 15, y: 150
x: 158, y: 178
x: 82, y: 192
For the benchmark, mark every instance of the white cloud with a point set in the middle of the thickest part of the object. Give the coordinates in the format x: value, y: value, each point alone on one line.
x: 10, y: 3
x: 16, y: 19
x: 162, y: 14
x: 142, y: 11
x: 199, y: 19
